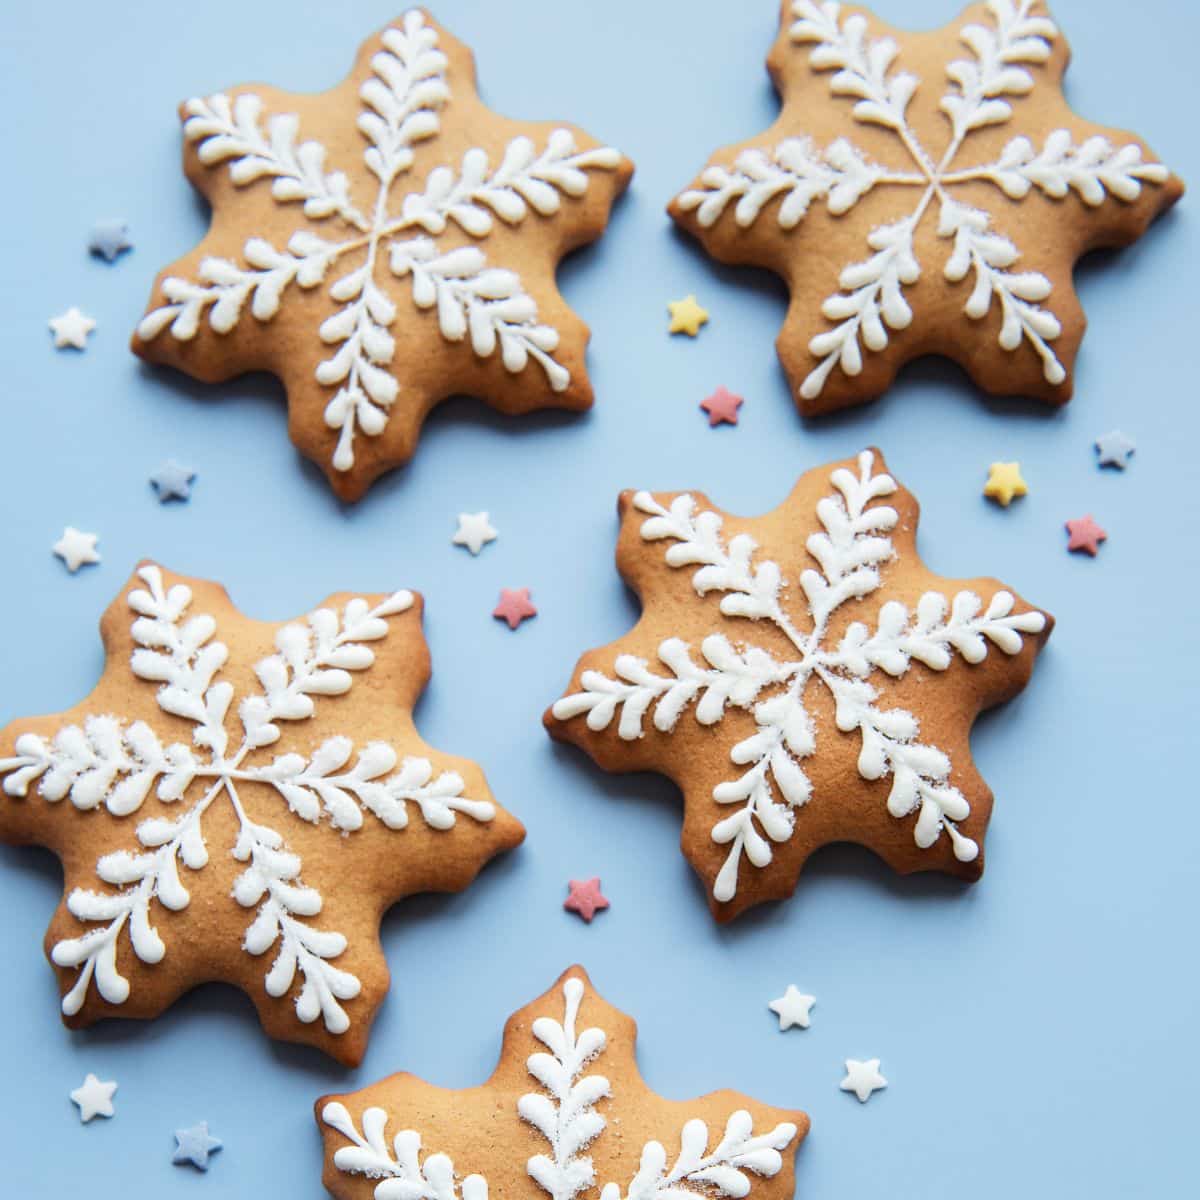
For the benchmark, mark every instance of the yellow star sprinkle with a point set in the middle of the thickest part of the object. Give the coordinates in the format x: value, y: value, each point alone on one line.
x: 687, y: 316
x: 1004, y: 483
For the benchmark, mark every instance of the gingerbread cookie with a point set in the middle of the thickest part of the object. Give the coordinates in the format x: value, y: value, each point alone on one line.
x: 804, y: 679
x: 564, y: 1115
x: 382, y: 246
x: 244, y: 809
x: 925, y: 193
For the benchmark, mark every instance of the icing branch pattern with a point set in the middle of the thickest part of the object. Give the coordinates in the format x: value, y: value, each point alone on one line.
x: 980, y: 93
x: 110, y: 763
x: 768, y: 785
x: 696, y: 1172
x: 563, y: 1112
x: 399, y: 1168
x: 367, y: 250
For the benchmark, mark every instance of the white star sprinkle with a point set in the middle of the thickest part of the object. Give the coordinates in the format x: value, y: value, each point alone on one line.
x: 76, y: 548
x: 71, y: 329
x: 792, y: 1008
x: 94, y: 1099
x: 474, y: 531
x: 863, y: 1078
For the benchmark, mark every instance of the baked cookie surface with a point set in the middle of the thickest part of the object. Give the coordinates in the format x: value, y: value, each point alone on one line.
x: 804, y: 679
x: 380, y: 247
x: 566, y: 1114
x: 925, y: 193
x: 241, y: 801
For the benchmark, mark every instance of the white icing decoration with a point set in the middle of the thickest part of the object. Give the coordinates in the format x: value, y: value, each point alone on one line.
x: 853, y: 545
x: 563, y: 1112
x: 871, y: 300
x: 700, y: 1173
x: 107, y: 761
x: 401, y: 1173
x: 401, y: 104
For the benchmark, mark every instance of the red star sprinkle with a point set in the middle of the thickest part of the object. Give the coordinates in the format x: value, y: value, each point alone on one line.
x: 514, y: 607
x: 722, y: 407
x: 1085, y: 535
x: 586, y: 899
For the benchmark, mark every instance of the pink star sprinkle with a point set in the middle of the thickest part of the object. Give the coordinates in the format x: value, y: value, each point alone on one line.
x: 722, y: 407
x: 586, y: 898
x: 1085, y: 535
x: 514, y: 607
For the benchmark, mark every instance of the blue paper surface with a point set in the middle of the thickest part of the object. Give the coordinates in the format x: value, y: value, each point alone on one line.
x: 1037, y: 1029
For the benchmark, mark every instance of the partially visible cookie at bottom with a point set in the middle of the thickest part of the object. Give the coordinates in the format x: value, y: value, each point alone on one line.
x: 565, y: 1113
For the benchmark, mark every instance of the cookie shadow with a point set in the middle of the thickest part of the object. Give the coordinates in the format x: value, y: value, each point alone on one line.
x: 757, y: 282
x: 842, y: 863
x: 258, y: 398
x: 933, y: 379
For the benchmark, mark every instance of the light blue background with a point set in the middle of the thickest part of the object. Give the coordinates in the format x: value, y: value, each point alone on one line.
x: 1038, y: 1029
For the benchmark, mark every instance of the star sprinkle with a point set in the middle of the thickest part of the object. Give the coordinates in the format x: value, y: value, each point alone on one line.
x: 686, y: 316
x: 71, y: 329
x: 585, y: 898
x: 1004, y: 483
x: 514, y: 607
x: 94, y: 1098
x: 1115, y: 449
x: 77, y: 549
x: 474, y: 531
x: 722, y: 407
x: 110, y: 239
x: 1085, y: 535
x: 863, y: 1078
x: 194, y: 1147
x: 172, y: 481
x: 792, y: 1008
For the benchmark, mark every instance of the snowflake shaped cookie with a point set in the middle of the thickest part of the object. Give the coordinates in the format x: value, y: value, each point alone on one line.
x: 925, y: 194
x: 804, y: 679
x: 380, y: 247
x: 565, y: 1115
x: 241, y: 801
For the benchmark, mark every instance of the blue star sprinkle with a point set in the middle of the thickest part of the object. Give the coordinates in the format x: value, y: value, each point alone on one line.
x: 172, y: 481
x: 195, y: 1146
x: 1115, y: 449
x: 110, y: 239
